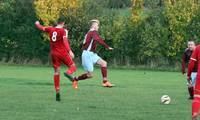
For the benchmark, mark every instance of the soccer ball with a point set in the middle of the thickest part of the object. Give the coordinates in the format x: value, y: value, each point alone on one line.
x: 165, y: 99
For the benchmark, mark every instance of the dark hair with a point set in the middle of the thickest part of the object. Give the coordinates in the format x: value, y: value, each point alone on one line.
x: 61, y: 19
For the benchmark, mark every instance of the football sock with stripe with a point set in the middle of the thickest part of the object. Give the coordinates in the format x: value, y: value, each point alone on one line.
x: 82, y: 77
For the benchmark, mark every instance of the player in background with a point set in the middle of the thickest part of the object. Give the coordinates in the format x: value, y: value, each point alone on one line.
x: 195, y: 60
x: 90, y: 57
x: 185, y: 60
x: 60, y: 51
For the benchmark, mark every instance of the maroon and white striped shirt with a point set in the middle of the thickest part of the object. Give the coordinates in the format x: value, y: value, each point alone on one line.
x: 91, y: 40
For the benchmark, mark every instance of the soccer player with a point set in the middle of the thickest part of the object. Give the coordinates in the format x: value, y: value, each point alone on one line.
x: 60, y: 51
x: 90, y: 57
x: 195, y: 59
x: 185, y: 60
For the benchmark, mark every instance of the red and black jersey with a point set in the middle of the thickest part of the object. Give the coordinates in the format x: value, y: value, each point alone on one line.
x: 91, y: 40
x: 186, y: 55
x: 185, y: 60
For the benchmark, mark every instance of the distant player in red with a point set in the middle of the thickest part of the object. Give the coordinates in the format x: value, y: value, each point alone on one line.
x: 195, y: 59
x: 89, y: 56
x: 60, y: 51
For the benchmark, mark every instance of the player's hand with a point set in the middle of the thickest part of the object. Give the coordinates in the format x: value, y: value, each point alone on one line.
x: 37, y: 22
x: 189, y: 84
x: 71, y: 54
x: 188, y: 78
x: 110, y: 48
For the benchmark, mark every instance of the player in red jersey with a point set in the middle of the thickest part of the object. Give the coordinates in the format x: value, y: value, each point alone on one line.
x: 90, y: 57
x: 195, y: 60
x: 60, y: 51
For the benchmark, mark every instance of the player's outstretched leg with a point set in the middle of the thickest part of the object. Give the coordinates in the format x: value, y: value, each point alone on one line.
x: 81, y: 77
x: 70, y: 71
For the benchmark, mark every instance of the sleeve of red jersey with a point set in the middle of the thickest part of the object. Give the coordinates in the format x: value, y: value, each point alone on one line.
x: 98, y: 38
x: 193, y: 60
x: 66, y: 42
x: 183, y: 64
x: 42, y: 28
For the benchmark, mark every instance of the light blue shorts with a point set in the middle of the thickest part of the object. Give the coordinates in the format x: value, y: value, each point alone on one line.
x: 89, y: 59
x: 193, y: 78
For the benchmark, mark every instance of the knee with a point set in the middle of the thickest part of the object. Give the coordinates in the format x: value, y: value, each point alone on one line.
x: 74, y: 68
x: 56, y: 71
x: 104, y: 64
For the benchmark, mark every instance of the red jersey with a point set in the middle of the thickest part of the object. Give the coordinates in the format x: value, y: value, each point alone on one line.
x: 91, y: 40
x: 56, y: 39
x: 59, y: 45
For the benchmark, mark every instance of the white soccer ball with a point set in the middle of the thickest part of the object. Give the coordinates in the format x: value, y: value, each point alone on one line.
x: 165, y: 99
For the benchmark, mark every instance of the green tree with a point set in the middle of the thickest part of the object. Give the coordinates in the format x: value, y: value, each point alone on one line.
x: 178, y: 15
x: 50, y: 10
x: 193, y: 29
x: 19, y: 39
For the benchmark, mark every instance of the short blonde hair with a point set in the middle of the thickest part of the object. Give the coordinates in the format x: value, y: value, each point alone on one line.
x: 94, y: 21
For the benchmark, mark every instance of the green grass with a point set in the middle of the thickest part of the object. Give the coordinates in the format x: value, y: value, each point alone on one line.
x: 27, y: 93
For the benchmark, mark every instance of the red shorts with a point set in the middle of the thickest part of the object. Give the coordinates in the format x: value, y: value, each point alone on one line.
x: 58, y: 57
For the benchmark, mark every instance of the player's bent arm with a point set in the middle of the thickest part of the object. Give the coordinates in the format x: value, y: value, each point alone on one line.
x: 66, y: 33
x: 71, y: 54
x: 40, y: 27
x: 100, y: 40
x: 66, y: 43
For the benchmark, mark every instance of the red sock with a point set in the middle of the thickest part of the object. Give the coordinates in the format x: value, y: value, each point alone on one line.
x: 82, y: 77
x: 57, y: 83
x: 104, y: 72
x: 71, y: 70
x: 195, y: 106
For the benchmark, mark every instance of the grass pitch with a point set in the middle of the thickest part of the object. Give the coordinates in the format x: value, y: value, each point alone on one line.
x: 27, y: 93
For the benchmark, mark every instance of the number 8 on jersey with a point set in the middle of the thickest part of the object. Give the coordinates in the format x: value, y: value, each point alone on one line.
x: 54, y: 36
